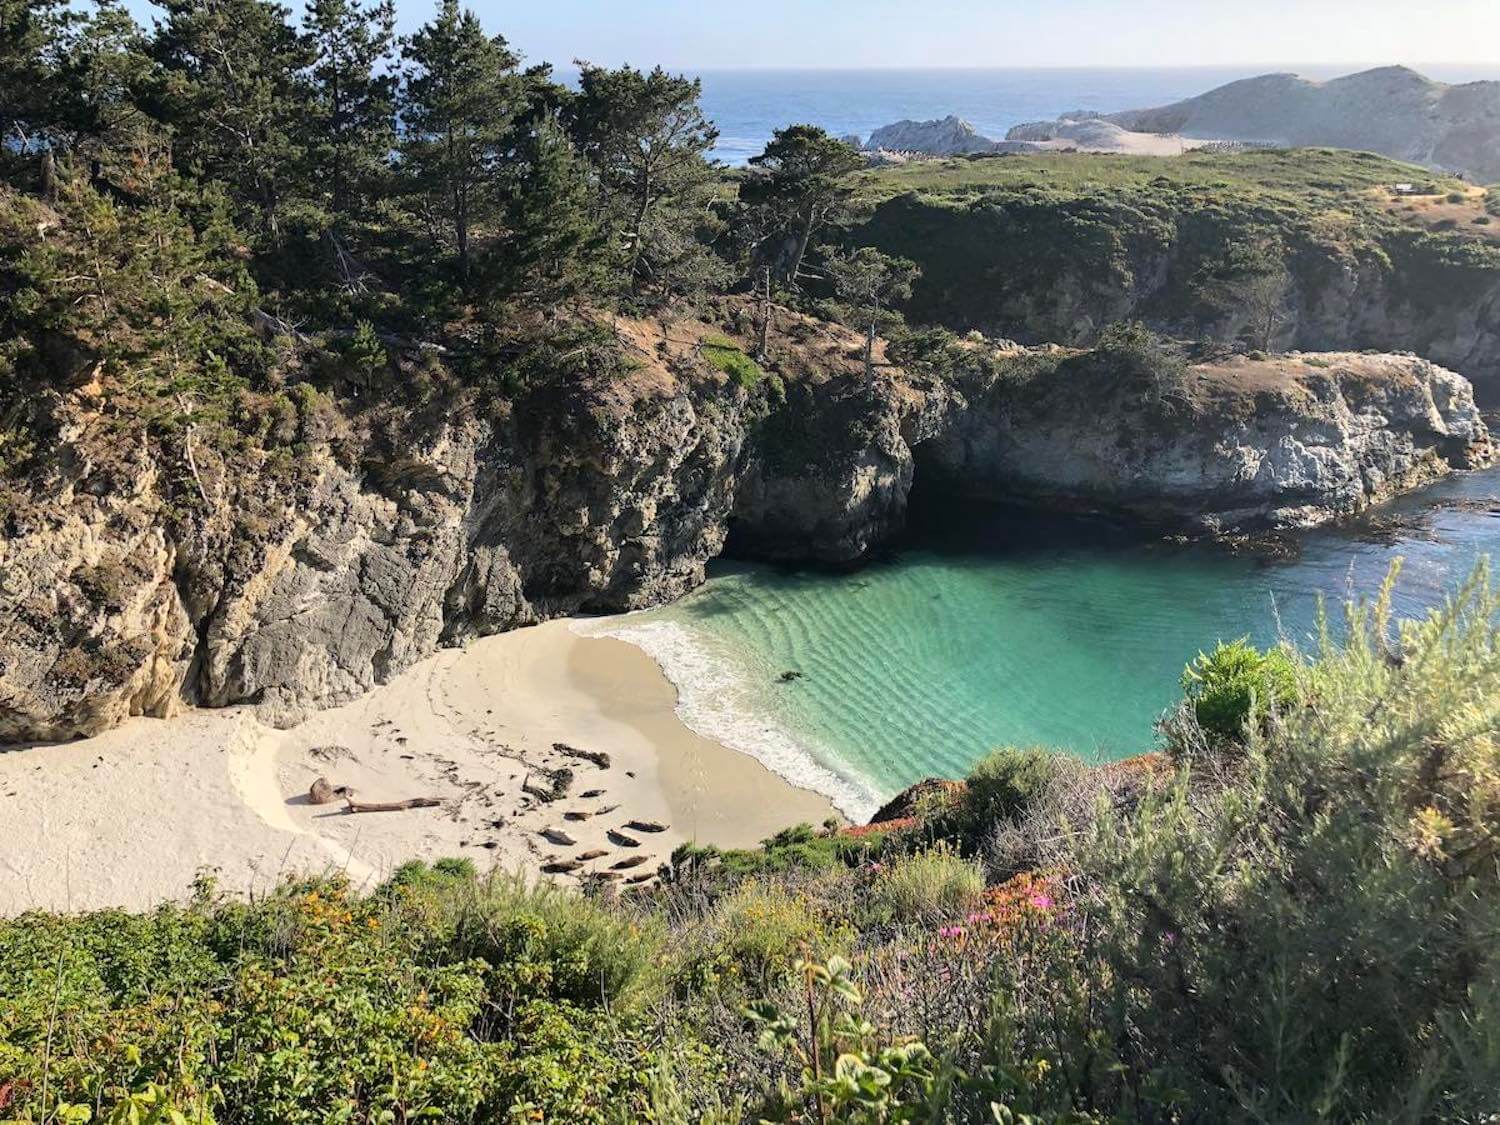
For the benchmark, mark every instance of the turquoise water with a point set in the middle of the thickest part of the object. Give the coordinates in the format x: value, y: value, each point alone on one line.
x: 999, y: 627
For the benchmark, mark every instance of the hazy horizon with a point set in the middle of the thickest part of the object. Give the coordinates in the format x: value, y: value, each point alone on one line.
x: 1005, y: 34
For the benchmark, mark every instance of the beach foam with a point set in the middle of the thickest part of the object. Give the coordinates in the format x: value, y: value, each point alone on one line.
x: 715, y: 700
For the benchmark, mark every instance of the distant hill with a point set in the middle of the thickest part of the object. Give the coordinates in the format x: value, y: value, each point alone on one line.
x: 1391, y: 110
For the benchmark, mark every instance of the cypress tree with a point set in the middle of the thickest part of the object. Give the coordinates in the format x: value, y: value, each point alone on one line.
x: 233, y: 91
x: 461, y: 100
x: 552, y: 252
x: 352, y: 101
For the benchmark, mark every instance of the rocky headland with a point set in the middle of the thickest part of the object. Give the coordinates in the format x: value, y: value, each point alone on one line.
x: 1392, y: 110
x: 135, y: 580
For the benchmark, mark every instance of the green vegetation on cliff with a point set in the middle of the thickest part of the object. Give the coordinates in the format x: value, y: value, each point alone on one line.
x: 1057, y: 248
x: 1291, y: 917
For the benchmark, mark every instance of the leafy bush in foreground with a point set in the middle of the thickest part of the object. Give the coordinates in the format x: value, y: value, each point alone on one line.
x: 1236, y: 686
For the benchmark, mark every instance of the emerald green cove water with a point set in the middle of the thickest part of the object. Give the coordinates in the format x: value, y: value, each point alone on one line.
x: 995, y: 626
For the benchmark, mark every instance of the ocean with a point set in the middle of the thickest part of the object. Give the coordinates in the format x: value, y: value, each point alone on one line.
x: 997, y: 626
x: 747, y: 105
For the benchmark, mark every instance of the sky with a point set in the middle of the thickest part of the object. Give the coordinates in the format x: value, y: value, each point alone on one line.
x: 712, y: 34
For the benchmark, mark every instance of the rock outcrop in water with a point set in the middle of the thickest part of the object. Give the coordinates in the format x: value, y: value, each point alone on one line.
x: 949, y: 136
x: 125, y: 589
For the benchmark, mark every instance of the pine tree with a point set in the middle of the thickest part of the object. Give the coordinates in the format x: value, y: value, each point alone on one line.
x: 234, y: 94
x: 868, y: 284
x: 32, y: 96
x: 552, y: 252
x: 801, y: 181
x: 30, y: 47
x: 351, y: 119
x: 647, y: 138
x: 461, y: 100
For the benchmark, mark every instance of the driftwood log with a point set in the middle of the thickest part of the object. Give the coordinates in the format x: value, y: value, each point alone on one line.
x: 353, y: 806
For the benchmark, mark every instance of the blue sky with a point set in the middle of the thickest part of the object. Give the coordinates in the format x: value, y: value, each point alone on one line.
x: 698, y: 34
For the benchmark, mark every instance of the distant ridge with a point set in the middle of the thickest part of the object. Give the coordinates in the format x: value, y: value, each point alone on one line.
x: 1391, y: 110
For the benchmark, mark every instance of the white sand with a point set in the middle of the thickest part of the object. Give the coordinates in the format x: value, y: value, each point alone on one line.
x: 130, y: 817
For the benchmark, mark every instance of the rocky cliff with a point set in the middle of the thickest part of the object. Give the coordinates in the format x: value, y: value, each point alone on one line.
x: 134, y: 580
x: 1242, y: 444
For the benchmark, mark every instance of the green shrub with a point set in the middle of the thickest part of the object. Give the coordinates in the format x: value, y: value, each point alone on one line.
x: 542, y: 941
x: 759, y: 930
x: 1236, y: 686
x: 1005, y: 781
x: 723, y: 354
x: 928, y: 887
x: 1331, y: 914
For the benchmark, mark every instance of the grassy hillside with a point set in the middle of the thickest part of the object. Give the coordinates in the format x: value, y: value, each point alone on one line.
x: 1058, y: 247
x: 1324, y: 176
x: 1289, y: 915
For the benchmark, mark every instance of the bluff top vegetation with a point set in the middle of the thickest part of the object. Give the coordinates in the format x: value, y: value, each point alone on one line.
x: 236, y: 214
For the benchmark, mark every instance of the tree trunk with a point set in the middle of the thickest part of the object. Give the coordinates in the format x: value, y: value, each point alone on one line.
x: 765, y: 316
x: 640, y: 223
x: 49, y: 176
x: 803, y: 240
x: 870, y: 352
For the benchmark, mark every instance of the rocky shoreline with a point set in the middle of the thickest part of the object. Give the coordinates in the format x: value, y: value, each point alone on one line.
x: 124, y: 594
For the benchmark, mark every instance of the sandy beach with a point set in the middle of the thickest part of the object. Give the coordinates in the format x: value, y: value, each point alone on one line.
x: 131, y: 817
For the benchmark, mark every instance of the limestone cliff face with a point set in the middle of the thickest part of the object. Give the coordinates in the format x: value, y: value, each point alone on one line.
x: 125, y: 589
x: 1241, y: 445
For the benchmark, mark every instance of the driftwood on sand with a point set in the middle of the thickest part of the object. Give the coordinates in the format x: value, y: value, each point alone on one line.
x: 322, y: 793
x: 353, y: 806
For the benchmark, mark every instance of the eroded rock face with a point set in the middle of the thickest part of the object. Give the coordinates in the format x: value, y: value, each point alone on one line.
x: 125, y: 590
x: 1241, y: 445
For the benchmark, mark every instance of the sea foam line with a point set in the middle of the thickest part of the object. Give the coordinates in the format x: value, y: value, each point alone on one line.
x: 709, y: 702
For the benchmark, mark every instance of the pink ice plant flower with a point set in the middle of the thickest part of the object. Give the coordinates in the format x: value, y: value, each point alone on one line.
x: 1042, y: 902
x: 951, y: 932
